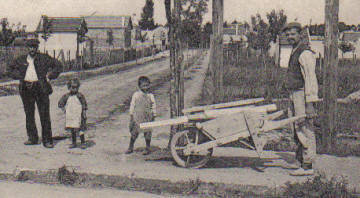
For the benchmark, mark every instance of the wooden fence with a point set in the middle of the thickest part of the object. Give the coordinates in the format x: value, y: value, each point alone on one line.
x: 99, y: 57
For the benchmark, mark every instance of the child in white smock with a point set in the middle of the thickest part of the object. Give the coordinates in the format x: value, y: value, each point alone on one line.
x: 74, y: 105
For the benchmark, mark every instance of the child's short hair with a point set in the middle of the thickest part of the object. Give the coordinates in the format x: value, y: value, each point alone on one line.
x: 73, y: 81
x: 143, y: 79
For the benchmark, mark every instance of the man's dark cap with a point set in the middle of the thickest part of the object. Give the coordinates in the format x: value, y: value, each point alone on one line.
x: 32, y: 42
x: 292, y: 25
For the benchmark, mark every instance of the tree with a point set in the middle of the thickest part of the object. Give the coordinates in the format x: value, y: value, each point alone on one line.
x: 8, y: 33
x: 176, y: 57
x: 207, y: 30
x: 276, y: 23
x: 46, y: 27
x: 259, y: 38
x: 147, y: 16
x: 192, y: 17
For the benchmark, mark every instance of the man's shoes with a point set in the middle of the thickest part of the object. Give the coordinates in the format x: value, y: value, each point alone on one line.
x: 129, y: 151
x: 146, y: 152
x: 31, y: 142
x: 72, y: 146
x: 302, y: 172
x: 48, y: 145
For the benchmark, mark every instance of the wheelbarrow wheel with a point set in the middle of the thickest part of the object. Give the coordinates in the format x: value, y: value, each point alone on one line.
x: 186, y: 139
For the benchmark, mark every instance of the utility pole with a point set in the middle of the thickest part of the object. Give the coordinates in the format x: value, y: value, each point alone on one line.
x: 331, y: 62
x: 176, y: 58
x: 217, y: 59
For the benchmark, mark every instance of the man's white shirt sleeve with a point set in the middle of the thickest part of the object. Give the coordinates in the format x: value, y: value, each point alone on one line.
x: 308, y: 65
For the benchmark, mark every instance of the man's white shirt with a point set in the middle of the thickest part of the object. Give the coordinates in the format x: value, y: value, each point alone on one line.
x: 30, y: 75
x: 307, y: 61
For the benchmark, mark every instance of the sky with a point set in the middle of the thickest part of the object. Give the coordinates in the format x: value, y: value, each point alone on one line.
x: 28, y: 12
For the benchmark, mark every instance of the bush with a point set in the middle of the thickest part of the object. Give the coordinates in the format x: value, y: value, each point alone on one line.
x: 318, y: 186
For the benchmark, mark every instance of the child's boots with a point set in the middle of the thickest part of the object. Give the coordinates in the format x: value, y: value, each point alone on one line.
x: 73, y: 136
x: 147, y: 149
x: 82, y: 139
x: 131, y: 146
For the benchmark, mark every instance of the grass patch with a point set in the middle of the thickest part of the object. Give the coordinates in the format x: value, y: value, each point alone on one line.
x: 318, y: 186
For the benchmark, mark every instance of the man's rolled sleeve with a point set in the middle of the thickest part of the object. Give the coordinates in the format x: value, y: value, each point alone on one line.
x: 308, y: 65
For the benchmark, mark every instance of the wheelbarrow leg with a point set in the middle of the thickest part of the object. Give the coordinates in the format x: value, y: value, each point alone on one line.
x: 253, y: 126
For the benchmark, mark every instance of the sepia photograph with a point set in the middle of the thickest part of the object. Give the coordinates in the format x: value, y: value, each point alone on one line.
x: 179, y: 98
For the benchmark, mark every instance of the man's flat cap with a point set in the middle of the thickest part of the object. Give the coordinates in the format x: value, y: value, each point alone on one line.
x: 292, y: 25
x: 32, y: 42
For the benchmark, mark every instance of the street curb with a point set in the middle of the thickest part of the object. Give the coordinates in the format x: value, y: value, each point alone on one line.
x: 69, y: 177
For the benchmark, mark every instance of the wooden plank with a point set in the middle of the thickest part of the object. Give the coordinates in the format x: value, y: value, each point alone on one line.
x: 274, y: 115
x: 225, y: 125
x: 223, y: 105
x: 271, y: 125
x: 338, y: 100
x: 264, y: 109
x: 210, y: 114
x: 170, y: 122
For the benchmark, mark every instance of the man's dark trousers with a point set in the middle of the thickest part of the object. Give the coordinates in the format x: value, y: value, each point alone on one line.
x: 30, y: 94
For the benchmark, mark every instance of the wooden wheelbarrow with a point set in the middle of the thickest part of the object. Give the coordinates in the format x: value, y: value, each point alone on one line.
x: 214, y: 125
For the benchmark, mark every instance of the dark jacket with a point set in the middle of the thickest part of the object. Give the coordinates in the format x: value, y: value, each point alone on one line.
x: 81, y: 97
x: 44, y: 65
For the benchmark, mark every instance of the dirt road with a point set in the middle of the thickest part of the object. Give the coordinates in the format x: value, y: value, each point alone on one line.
x: 109, y: 139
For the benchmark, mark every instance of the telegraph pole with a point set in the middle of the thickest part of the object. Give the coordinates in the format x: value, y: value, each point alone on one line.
x: 177, y: 73
x: 331, y: 62
x: 217, y: 59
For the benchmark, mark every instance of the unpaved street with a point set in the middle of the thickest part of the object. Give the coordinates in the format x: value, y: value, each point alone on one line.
x: 108, y: 140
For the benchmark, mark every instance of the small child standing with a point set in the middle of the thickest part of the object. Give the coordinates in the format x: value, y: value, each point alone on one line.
x: 74, y: 106
x: 142, y: 109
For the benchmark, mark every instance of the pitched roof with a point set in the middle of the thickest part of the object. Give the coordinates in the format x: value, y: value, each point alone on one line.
x: 106, y: 22
x: 351, y: 36
x: 61, y: 24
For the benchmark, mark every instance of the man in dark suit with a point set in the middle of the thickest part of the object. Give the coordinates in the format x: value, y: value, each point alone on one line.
x: 34, y: 71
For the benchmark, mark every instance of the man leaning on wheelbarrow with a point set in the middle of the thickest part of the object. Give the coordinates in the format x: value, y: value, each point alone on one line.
x: 302, y: 85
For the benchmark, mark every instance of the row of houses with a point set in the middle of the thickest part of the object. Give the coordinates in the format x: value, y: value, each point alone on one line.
x: 102, y: 32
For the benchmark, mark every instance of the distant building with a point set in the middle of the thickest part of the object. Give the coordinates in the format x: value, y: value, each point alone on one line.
x: 235, y: 33
x: 117, y: 28
x: 63, y: 35
x: 350, y: 36
x: 158, y: 37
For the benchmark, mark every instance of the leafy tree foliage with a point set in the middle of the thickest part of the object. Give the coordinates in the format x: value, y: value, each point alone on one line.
x: 147, y: 16
x: 276, y: 20
x: 10, y: 32
x: 192, y: 18
x: 259, y: 38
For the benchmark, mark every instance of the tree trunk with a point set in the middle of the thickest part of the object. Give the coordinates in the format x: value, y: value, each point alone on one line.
x: 177, y: 75
x: 217, y: 56
x: 330, y: 74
